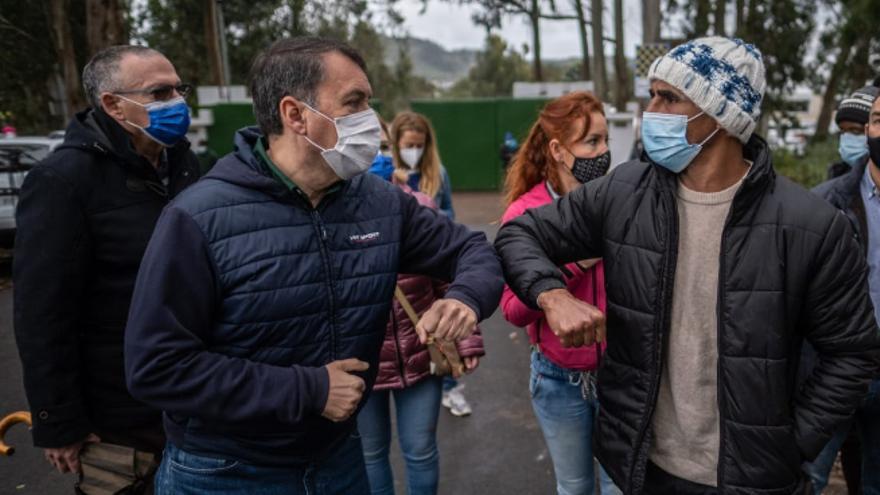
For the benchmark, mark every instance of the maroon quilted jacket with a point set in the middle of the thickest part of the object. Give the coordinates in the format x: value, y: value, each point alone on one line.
x: 404, y: 360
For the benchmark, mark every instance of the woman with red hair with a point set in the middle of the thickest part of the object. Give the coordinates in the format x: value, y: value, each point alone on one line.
x: 565, y: 148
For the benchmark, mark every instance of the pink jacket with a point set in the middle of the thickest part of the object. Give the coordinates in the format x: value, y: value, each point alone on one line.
x: 586, y: 285
x: 404, y: 360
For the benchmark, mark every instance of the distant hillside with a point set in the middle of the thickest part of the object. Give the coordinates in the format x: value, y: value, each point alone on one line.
x: 439, y: 65
x: 430, y: 60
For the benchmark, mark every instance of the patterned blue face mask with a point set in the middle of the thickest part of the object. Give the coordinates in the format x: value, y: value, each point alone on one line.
x: 853, y: 148
x: 169, y: 120
x: 664, y: 136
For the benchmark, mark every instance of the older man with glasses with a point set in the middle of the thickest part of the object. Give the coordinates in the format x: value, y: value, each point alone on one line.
x: 84, y: 218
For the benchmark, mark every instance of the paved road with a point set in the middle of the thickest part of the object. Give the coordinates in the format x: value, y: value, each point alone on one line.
x: 497, y: 450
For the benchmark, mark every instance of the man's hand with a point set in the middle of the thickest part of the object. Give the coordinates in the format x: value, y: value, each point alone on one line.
x: 448, y: 319
x: 575, y: 322
x: 346, y: 389
x: 66, y: 459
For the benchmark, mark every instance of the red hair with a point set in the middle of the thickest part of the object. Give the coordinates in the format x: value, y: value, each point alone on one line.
x: 533, y: 162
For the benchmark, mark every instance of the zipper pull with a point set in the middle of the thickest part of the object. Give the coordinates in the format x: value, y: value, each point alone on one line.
x: 323, y: 233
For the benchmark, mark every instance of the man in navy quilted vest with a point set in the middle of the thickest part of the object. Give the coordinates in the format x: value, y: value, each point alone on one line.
x: 261, y: 303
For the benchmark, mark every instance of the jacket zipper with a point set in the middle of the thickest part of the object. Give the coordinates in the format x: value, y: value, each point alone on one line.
x: 719, y: 385
x: 325, y: 256
x: 398, y: 352
x: 661, y: 337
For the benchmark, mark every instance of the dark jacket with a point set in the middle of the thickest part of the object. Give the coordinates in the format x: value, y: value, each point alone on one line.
x: 837, y: 169
x: 844, y: 192
x: 790, y: 269
x: 84, y: 218
x: 247, y: 292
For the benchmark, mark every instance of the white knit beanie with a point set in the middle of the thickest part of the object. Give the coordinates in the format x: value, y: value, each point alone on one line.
x: 722, y: 76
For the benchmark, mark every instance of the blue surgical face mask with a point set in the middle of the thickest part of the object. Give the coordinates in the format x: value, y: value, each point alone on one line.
x: 853, y: 148
x: 169, y: 120
x: 664, y: 136
x: 383, y: 166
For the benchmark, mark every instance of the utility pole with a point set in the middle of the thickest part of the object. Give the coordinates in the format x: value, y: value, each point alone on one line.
x: 215, y: 40
x: 600, y: 78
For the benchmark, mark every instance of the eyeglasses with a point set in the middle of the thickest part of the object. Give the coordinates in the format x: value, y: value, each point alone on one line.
x: 160, y: 93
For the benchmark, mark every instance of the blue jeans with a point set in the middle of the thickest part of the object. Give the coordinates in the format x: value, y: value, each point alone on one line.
x: 449, y: 383
x: 184, y: 473
x: 565, y: 405
x: 867, y: 424
x: 418, y: 407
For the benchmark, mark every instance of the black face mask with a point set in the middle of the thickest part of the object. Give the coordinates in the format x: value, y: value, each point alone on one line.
x: 874, y: 150
x: 587, y: 169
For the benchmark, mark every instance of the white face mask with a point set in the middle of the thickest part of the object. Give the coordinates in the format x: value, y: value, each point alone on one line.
x: 357, y: 143
x: 411, y: 156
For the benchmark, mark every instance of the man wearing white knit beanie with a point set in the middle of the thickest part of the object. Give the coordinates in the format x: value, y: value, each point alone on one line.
x: 717, y: 270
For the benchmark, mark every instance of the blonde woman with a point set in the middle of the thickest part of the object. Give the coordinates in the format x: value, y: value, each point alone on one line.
x: 417, y: 164
x: 417, y: 161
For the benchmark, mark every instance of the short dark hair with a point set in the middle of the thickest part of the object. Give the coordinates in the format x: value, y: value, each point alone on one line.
x: 102, y: 72
x: 291, y: 67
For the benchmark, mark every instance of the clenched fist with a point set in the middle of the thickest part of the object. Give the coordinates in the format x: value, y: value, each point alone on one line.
x: 575, y: 322
x: 448, y: 319
x: 346, y: 389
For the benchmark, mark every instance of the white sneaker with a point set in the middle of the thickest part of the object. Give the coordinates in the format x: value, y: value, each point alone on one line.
x: 456, y: 403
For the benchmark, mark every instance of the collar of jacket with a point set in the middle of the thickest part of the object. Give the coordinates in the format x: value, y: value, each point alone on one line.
x: 255, y: 175
x: 850, y: 182
x: 94, y: 131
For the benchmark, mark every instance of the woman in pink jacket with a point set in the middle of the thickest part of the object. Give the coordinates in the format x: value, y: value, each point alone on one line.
x: 565, y: 148
x: 404, y: 373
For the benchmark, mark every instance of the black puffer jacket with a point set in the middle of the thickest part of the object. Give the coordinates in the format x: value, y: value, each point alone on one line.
x: 84, y: 219
x: 844, y: 192
x: 790, y: 268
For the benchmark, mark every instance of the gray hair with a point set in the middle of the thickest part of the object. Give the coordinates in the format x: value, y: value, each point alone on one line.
x: 102, y: 72
x: 291, y: 67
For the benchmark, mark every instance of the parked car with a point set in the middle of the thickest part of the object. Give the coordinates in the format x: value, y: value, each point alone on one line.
x: 17, y: 156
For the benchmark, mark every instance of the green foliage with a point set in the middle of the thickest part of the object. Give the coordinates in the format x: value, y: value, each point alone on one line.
x: 28, y: 60
x: 177, y: 29
x: 781, y: 29
x: 496, y: 69
x: 811, y: 169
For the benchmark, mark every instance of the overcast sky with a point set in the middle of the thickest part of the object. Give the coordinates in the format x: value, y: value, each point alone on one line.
x: 450, y: 25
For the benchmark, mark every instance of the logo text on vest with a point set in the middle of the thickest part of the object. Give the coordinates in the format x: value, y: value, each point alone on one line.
x: 364, y: 238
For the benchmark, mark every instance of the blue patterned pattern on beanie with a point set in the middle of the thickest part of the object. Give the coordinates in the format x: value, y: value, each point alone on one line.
x: 722, y: 76
x: 703, y: 60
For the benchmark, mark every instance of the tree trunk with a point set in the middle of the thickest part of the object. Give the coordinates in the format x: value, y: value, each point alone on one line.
x: 621, y: 76
x: 600, y: 79
x: 718, y: 18
x: 535, y: 18
x: 62, y: 40
x: 651, y: 19
x: 861, y: 71
x: 582, y: 34
x: 212, y: 42
x: 740, y: 17
x: 105, y: 25
x: 296, y: 17
x: 829, y: 97
x: 701, y: 18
